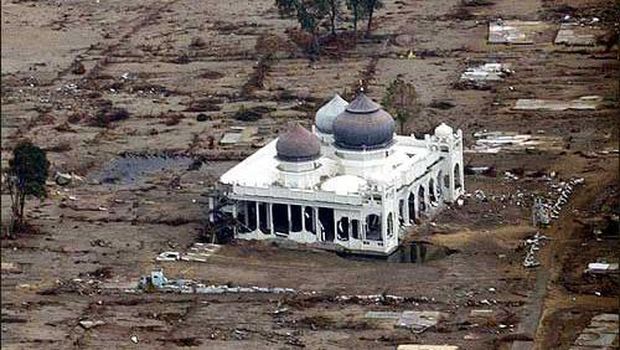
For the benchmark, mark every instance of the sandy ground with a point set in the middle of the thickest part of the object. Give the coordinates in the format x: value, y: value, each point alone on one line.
x: 139, y: 55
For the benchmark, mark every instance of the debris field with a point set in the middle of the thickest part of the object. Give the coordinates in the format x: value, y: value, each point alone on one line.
x: 141, y: 105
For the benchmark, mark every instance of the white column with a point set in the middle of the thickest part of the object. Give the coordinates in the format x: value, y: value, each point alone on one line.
x: 303, y: 218
x: 270, y: 217
x: 289, y: 218
x: 257, y: 216
x: 234, y: 213
x: 211, y: 207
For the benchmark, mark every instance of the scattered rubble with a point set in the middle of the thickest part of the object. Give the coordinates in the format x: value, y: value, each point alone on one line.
x: 533, y: 245
x: 157, y: 281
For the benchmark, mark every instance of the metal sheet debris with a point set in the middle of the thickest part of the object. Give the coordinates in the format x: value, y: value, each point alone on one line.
x: 514, y: 32
x: 581, y: 103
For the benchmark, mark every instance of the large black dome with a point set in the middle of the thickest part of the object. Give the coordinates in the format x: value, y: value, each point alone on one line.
x: 298, y: 145
x: 363, y: 126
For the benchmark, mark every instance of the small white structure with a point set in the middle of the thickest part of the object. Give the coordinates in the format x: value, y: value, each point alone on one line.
x: 350, y: 184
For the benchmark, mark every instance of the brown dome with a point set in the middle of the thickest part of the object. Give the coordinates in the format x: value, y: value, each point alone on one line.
x: 363, y: 126
x: 298, y: 144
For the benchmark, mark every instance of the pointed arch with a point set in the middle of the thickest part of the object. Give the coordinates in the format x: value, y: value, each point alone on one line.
x: 457, y: 176
x: 421, y: 199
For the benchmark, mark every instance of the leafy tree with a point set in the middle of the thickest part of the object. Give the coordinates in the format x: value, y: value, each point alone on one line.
x: 334, y: 11
x: 309, y: 14
x: 361, y: 9
x: 25, y: 176
x: 401, y: 101
x: 369, y: 7
x: 357, y: 12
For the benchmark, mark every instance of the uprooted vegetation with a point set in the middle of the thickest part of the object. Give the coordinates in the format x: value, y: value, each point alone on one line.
x: 252, y: 114
x: 108, y: 114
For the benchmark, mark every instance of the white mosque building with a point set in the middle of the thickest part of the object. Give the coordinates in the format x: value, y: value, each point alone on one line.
x: 350, y: 184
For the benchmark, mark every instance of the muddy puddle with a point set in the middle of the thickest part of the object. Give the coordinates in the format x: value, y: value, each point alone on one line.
x: 414, y: 252
x: 134, y: 169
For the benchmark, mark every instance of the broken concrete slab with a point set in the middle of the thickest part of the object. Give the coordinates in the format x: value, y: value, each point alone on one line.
x: 419, y: 321
x: 481, y: 314
x: 506, y: 141
x: 383, y: 315
x: 86, y: 324
x: 168, y: 256
x: 9, y: 267
x: 581, y: 103
x: 595, y: 339
x: 602, y: 333
x: 482, y: 75
x: 575, y: 34
x: 515, y: 32
x: 602, y: 268
x: 239, y: 135
x: 606, y: 318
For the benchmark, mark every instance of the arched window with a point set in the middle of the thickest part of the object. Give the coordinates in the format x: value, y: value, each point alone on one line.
x: 457, y: 176
x: 421, y: 199
x: 309, y: 219
x: 390, y: 225
x: 439, y: 186
x: 411, y: 205
x: 343, y: 229
x: 431, y: 190
x: 373, y: 227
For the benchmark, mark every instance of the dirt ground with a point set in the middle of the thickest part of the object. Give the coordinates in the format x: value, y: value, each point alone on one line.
x: 184, y: 69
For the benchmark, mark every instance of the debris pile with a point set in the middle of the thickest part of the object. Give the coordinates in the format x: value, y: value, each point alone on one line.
x: 416, y: 321
x: 565, y: 189
x: 533, y: 245
x: 157, y: 281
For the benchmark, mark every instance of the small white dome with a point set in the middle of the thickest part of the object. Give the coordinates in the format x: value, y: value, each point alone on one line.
x: 328, y: 112
x: 443, y: 130
x: 345, y: 184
